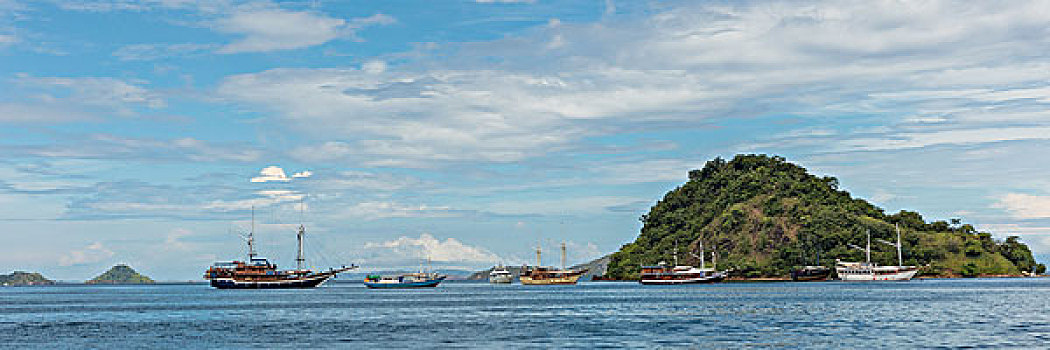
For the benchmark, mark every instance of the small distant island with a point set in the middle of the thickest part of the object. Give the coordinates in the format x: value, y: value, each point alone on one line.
x: 121, y: 274
x: 22, y: 278
x: 763, y: 215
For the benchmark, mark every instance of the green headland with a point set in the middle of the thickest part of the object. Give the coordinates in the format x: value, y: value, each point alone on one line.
x: 764, y: 215
x: 22, y: 278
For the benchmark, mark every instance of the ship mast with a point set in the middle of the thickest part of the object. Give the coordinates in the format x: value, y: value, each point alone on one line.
x: 251, y: 238
x: 900, y: 257
x: 563, y: 255
x: 701, y: 254
x: 676, y: 252
x: 538, y: 264
x: 299, y: 236
x: 867, y: 249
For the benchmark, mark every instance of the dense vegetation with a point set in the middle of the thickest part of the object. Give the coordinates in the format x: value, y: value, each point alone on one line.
x: 21, y: 278
x: 120, y: 274
x: 764, y: 215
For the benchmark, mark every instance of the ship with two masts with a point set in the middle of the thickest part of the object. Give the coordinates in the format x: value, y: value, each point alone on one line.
x: 260, y: 273
x: 546, y: 275
x: 868, y: 271
x: 663, y: 274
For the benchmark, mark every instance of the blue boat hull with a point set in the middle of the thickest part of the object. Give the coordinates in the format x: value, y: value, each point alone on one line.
x: 424, y: 284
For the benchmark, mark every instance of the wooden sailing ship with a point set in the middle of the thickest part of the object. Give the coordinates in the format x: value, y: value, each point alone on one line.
x: 546, y: 275
x: 663, y: 274
x: 260, y: 273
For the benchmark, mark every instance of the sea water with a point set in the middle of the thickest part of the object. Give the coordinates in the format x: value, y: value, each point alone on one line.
x: 917, y: 314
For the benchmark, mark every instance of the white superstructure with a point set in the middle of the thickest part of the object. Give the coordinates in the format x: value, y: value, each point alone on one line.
x: 500, y: 274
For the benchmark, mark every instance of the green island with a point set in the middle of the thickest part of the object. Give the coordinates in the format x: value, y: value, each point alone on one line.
x: 22, y: 278
x: 120, y: 274
x: 763, y: 216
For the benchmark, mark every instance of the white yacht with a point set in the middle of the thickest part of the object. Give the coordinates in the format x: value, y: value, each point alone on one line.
x: 868, y: 271
x: 500, y: 274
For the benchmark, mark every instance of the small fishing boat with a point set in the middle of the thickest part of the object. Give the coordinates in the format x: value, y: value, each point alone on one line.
x: 421, y: 279
x: 500, y: 275
x: 408, y: 280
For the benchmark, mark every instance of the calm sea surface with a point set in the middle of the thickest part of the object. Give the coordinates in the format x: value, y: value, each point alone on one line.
x: 918, y: 314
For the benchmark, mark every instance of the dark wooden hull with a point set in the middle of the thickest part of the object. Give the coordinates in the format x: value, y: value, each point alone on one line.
x: 803, y: 275
x: 305, y: 282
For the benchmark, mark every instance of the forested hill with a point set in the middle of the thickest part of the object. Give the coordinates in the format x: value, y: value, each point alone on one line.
x: 120, y: 274
x: 764, y: 215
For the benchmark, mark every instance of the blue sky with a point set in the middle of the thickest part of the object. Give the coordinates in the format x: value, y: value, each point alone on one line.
x: 468, y: 131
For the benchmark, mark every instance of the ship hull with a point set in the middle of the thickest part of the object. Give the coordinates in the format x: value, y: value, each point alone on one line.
x: 809, y: 275
x: 423, y: 284
x: 308, y: 282
x: 526, y: 280
x: 669, y: 282
x: 501, y: 279
x: 903, y: 275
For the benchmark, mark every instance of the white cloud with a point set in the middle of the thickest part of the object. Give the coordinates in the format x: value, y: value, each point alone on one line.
x: 265, y: 198
x: 7, y: 39
x: 946, y: 137
x: 561, y: 206
x: 103, y: 146
x: 303, y: 174
x: 427, y: 246
x: 374, y: 66
x: 682, y: 66
x: 1025, y: 206
x: 361, y: 180
x: 40, y: 113
x: 271, y: 174
x: 264, y: 29
x: 112, y: 94
x: 93, y: 253
x: 373, y: 210
x: 147, y: 52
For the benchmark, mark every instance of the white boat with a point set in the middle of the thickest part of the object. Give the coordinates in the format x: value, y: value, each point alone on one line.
x: 500, y: 274
x: 868, y: 271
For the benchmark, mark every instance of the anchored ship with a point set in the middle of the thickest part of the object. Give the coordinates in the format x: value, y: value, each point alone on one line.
x: 260, y: 273
x: 545, y: 275
x: 408, y: 280
x: 868, y: 271
x: 421, y: 279
x: 500, y: 274
x: 663, y: 274
x: 810, y: 273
